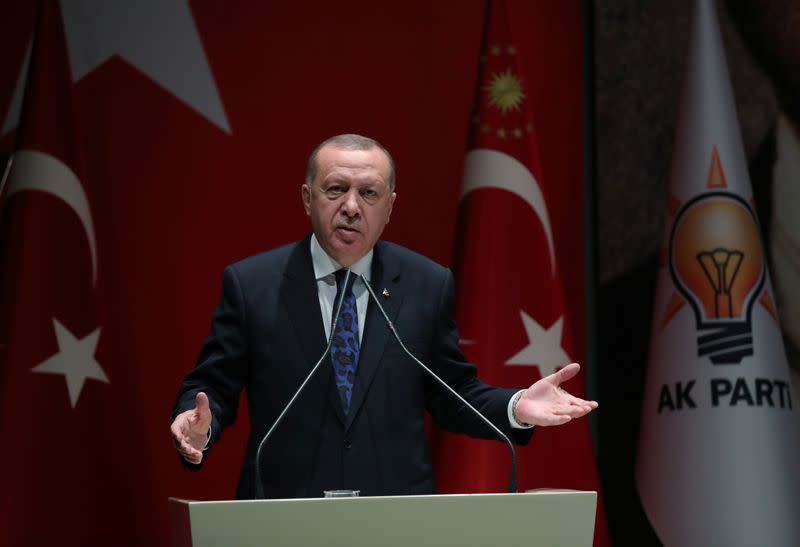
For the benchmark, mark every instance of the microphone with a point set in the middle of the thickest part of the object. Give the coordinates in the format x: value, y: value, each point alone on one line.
x: 512, y: 482
x: 259, y: 487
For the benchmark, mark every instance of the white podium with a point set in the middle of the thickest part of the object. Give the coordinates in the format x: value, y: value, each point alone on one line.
x: 542, y: 518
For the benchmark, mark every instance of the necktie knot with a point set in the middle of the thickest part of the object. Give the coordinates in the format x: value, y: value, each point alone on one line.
x: 340, y: 277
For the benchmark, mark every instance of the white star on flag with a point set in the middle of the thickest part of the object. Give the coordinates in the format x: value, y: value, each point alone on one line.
x: 158, y: 38
x: 75, y: 360
x: 544, y: 346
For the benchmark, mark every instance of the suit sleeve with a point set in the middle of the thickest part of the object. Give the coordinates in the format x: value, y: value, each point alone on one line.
x: 221, y: 368
x: 449, y: 362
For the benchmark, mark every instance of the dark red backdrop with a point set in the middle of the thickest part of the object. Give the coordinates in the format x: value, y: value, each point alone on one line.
x: 174, y: 198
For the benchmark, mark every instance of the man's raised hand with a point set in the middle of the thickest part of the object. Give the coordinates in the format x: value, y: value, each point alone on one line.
x: 190, y: 430
x: 546, y: 403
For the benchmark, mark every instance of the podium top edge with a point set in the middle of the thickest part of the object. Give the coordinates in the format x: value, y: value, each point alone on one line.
x: 537, y: 492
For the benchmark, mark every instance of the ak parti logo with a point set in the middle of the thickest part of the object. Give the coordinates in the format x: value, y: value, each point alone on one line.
x: 716, y: 262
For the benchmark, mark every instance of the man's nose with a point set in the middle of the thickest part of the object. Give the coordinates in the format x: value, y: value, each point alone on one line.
x: 350, y: 204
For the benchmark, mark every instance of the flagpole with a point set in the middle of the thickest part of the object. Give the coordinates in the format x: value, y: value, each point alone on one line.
x: 590, y: 219
x: 5, y: 176
x: 3, y: 182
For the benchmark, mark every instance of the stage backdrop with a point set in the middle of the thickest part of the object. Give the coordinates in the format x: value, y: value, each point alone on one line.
x: 187, y: 129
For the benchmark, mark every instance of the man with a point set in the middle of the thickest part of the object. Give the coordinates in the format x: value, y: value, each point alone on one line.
x: 359, y: 424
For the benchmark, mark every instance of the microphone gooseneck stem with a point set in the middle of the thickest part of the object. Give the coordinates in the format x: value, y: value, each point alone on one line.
x: 259, y: 486
x: 512, y: 483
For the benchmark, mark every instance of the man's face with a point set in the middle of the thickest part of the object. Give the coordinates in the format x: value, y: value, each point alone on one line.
x: 349, y: 201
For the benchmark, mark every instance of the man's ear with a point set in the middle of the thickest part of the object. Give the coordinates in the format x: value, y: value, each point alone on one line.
x: 391, y: 206
x: 305, y: 195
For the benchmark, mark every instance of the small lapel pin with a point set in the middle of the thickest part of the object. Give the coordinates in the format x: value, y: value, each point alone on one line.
x: 385, y: 293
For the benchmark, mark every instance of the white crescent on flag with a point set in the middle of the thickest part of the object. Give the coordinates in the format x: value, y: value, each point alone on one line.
x: 486, y: 168
x: 74, y: 360
x: 34, y: 170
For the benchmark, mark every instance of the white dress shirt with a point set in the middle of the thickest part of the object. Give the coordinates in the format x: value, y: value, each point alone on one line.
x: 324, y: 269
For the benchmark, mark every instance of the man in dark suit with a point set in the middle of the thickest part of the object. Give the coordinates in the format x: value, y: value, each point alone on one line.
x: 359, y: 424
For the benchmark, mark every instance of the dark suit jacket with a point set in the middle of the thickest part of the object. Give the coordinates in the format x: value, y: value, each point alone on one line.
x: 266, y: 335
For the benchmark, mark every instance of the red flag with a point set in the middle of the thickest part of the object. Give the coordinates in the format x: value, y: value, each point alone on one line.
x: 510, y: 308
x: 67, y: 449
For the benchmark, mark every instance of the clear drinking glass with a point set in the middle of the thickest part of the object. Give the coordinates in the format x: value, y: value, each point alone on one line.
x: 341, y: 493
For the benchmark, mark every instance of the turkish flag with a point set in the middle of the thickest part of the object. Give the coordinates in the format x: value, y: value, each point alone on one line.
x: 69, y: 440
x: 510, y: 308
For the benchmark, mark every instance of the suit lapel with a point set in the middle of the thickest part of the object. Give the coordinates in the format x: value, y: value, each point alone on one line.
x: 385, y: 275
x: 302, y: 303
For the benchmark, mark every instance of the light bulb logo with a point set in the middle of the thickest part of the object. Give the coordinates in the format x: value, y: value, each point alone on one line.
x: 716, y: 262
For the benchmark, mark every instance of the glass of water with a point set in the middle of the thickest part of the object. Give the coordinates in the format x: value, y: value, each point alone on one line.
x: 342, y: 493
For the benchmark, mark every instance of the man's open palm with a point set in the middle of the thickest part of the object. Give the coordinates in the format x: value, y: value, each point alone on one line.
x: 190, y: 429
x: 546, y: 403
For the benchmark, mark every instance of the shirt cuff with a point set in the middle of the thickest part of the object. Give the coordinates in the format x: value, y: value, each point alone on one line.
x: 511, y: 419
x: 208, y: 439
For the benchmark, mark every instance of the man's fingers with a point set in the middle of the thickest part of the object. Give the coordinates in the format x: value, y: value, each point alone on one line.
x: 566, y: 373
x: 192, y: 458
x: 201, y: 404
x: 177, y: 439
x: 175, y: 429
x: 581, y: 402
x: 575, y: 411
x: 179, y: 434
x: 202, y: 411
x: 577, y: 401
x: 180, y: 426
x: 587, y: 406
x: 189, y: 452
x: 185, y: 427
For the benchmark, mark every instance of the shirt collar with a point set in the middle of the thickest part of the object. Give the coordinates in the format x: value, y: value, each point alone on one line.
x: 324, y: 265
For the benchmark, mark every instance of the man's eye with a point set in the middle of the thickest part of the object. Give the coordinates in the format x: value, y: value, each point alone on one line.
x: 334, y: 190
x: 369, y: 193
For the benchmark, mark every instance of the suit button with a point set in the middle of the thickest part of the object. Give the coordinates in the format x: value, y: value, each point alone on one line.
x: 347, y: 444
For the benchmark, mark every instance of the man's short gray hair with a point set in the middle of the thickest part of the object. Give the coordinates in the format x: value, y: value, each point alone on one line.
x: 348, y: 141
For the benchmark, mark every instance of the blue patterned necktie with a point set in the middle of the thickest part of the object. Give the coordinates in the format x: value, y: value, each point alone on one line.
x: 345, y: 347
